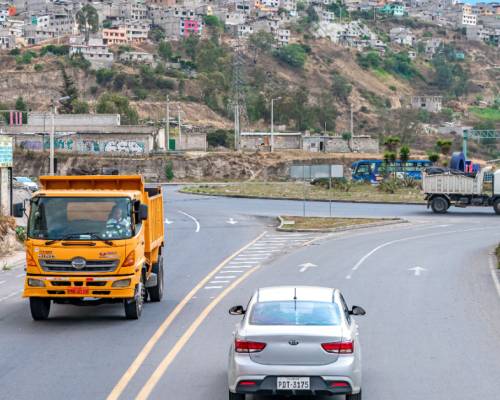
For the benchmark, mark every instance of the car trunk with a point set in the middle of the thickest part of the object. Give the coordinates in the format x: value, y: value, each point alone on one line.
x: 294, y: 345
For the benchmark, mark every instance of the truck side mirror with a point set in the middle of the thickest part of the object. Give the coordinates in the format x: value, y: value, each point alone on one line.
x: 18, y: 210
x: 143, y: 212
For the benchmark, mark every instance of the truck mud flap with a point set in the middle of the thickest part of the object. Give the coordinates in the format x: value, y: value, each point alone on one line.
x: 152, y: 280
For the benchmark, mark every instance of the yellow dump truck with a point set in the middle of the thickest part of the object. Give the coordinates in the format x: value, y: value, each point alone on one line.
x: 94, y: 240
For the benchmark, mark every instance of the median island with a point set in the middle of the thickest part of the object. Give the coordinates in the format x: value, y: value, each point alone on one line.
x: 295, y: 223
x: 351, y: 192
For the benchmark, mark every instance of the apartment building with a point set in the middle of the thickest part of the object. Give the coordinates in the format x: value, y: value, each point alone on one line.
x: 96, y: 51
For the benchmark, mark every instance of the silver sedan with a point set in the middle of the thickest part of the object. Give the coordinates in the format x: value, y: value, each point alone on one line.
x: 295, y: 340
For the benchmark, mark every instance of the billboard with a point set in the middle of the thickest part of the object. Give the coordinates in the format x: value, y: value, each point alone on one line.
x: 6, y: 150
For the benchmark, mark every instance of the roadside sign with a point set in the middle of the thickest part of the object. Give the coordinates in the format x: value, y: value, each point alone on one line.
x: 310, y: 172
x: 6, y: 150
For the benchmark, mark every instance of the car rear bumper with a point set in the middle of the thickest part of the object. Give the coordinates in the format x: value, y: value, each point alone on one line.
x: 346, y: 369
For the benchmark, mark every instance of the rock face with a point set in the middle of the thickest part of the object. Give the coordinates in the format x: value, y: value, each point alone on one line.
x: 188, y: 166
x: 8, y: 239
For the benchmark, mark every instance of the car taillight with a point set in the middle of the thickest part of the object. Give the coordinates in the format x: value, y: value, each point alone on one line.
x: 130, y: 260
x: 339, y: 347
x: 245, y: 346
x: 338, y: 384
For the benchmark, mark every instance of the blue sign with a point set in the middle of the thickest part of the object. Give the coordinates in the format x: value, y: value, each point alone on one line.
x: 6, y: 150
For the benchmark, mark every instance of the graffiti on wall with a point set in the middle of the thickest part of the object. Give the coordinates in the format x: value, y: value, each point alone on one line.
x: 124, y: 146
x: 33, y: 145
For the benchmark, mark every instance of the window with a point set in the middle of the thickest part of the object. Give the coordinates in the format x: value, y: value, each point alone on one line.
x: 300, y: 313
x: 345, y: 308
x: 363, y: 169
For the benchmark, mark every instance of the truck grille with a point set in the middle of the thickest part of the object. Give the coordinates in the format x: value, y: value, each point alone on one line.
x: 91, y: 266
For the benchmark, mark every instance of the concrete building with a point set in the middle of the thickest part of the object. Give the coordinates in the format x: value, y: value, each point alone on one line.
x: 7, y: 41
x: 96, y: 52
x: 137, y: 31
x: 282, y: 37
x: 115, y: 36
x: 429, y: 103
x: 262, y: 140
x: 467, y: 19
x: 402, y: 36
x: 336, y: 144
x: 137, y: 57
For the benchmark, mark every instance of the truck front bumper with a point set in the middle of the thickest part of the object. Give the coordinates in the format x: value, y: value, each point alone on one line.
x: 78, y: 287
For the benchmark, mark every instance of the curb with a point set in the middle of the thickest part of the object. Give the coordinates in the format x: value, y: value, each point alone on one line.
x: 383, y: 222
x: 242, y: 196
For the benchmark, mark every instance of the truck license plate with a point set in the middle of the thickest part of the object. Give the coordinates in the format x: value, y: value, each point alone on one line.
x: 78, y: 291
x: 293, y: 383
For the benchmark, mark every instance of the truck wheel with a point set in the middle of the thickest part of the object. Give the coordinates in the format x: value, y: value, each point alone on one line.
x: 133, y: 307
x: 156, y: 292
x: 40, y: 308
x: 236, y: 396
x: 496, y: 206
x: 439, y: 205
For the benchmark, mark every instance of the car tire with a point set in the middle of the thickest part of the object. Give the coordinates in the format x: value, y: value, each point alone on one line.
x: 496, y: 206
x: 133, y: 307
x: 356, y: 396
x: 156, y: 292
x: 440, y: 205
x: 40, y: 308
x: 236, y: 396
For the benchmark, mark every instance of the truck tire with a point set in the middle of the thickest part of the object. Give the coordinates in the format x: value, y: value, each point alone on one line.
x: 356, y: 396
x: 156, y: 292
x: 440, y: 205
x: 40, y: 308
x: 236, y: 396
x: 496, y: 206
x: 133, y: 307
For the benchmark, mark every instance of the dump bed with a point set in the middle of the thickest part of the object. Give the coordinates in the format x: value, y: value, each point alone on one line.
x: 448, y: 183
x: 93, y: 182
x: 154, y: 224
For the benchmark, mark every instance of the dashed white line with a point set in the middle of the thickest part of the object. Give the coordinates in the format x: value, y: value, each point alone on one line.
x: 213, y: 287
x: 246, y: 262
x: 193, y: 218
x: 230, y: 272
x: 20, y: 275
x: 217, y: 282
x: 2, y: 282
x: 10, y: 295
x: 225, y: 277
x: 241, y: 266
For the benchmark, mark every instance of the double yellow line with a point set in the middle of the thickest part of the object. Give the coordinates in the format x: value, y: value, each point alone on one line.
x: 146, y: 350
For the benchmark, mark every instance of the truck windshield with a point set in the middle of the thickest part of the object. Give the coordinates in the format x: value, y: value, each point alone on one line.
x: 80, y: 218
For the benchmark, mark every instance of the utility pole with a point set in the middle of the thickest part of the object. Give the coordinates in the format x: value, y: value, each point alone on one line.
x: 272, y: 122
x: 352, y: 123
x: 236, y: 126
x: 51, y: 139
x: 179, y: 122
x: 167, y: 127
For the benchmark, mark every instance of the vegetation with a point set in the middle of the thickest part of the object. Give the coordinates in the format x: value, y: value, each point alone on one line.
x: 221, y: 138
x: 87, y: 20
x: 444, y: 146
x: 487, y: 114
x: 169, y: 170
x: 111, y: 103
x: 68, y: 91
x: 165, y: 50
x: 292, y: 54
x: 325, y: 223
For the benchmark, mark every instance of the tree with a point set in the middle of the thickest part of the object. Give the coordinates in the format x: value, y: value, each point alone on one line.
x: 190, y: 45
x: 156, y: 33
x: 433, y: 157
x: 80, y: 107
x: 340, y: 87
x: 104, y: 76
x: 261, y: 41
x: 347, y: 136
x: 87, y: 20
x: 292, y: 54
x: 111, y: 103
x: 69, y: 91
x: 391, y: 143
x: 444, y: 146
x: 165, y: 50
x: 21, y: 105
x: 404, y: 154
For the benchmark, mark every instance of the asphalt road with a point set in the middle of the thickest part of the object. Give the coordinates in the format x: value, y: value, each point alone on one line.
x: 432, y: 336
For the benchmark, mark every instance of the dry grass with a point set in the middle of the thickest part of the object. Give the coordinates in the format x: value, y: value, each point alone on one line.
x: 292, y: 190
x: 326, y: 223
x: 498, y: 255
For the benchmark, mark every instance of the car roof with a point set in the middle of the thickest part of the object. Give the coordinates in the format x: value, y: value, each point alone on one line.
x: 303, y: 293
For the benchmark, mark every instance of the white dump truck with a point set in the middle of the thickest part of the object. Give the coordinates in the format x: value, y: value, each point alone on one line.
x: 444, y: 188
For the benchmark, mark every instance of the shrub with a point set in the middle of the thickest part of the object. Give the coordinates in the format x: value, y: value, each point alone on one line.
x: 293, y: 55
x: 169, y: 170
x: 21, y: 233
x: 55, y: 50
x: 221, y: 137
x: 389, y: 185
x: 104, y: 76
x: 433, y: 157
x: 38, y: 67
x: 15, y: 52
x: 341, y: 184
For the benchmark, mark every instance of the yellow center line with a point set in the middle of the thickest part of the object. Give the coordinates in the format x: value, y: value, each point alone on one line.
x: 170, y: 357
x: 148, y: 347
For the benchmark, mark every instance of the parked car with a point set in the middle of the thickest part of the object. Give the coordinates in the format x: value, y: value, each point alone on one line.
x: 26, y: 182
x: 295, y: 340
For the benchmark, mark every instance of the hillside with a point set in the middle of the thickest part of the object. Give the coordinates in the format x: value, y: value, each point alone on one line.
x: 318, y: 82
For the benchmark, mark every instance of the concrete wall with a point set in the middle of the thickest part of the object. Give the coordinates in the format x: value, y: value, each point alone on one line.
x: 335, y: 144
x: 89, y: 144
x: 192, y: 141
x: 69, y: 120
x: 281, y: 142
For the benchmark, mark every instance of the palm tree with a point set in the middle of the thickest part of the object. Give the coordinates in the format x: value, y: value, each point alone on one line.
x: 88, y: 21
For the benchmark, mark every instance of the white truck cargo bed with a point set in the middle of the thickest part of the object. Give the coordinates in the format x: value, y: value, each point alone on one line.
x: 452, y: 184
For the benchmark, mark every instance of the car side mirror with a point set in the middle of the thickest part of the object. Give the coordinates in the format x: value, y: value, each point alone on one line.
x: 237, y: 310
x: 18, y: 210
x: 356, y: 310
x: 143, y: 212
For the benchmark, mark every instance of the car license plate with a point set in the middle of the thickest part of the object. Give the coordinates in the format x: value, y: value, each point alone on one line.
x: 78, y: 291
x: 293, y: 383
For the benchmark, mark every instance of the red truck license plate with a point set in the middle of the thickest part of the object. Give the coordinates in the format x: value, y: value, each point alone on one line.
x: 78, y: 291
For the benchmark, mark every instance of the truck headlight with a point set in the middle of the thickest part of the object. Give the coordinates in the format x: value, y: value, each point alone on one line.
x: 36, y: 282
x: 121, y: 283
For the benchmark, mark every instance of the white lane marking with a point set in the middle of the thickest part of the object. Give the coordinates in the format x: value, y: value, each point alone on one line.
x: 20, y: 275
x: 250, y: 252
x: 250, y: 258
x: 231, y: 221
x: 230, y: 271
x: 193, y: 218
x: 240, y: 266
x: 494, y: 273
x: 2, y: 282
x: 216, y: 282
x: 366, y: 256
x: 417, y: 270
x: 245, y: 262
x: 348, y: 276
x: 168, y: 222
x: 10, y: 295
x: 225, y: 277
x: 306, y: 266
x: 213, y: 287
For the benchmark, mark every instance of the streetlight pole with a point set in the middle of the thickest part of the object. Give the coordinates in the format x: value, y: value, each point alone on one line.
x: 167, y: 127
x: 272, y: 122
x: 179, y: 123
x: 51, y: 139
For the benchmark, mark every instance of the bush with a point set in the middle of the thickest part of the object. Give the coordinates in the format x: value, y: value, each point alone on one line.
x: 293, y: 55
x: 389, y: 185
x: 341, y: 184
x: 169, y: 170
x: 78, y: 61
x: 55, y: 50
x: 21, y: 233
x: 433, y: 157
x: 38, y: 67
x: 104, y: 76
x: 221, y: 138
x: 369, y: 60
x: 15, y: 52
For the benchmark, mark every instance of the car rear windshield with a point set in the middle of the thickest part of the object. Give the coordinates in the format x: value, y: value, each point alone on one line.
x: 295, y: 313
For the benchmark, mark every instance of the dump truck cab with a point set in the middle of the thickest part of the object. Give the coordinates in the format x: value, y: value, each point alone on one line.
x: 93, y: 240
